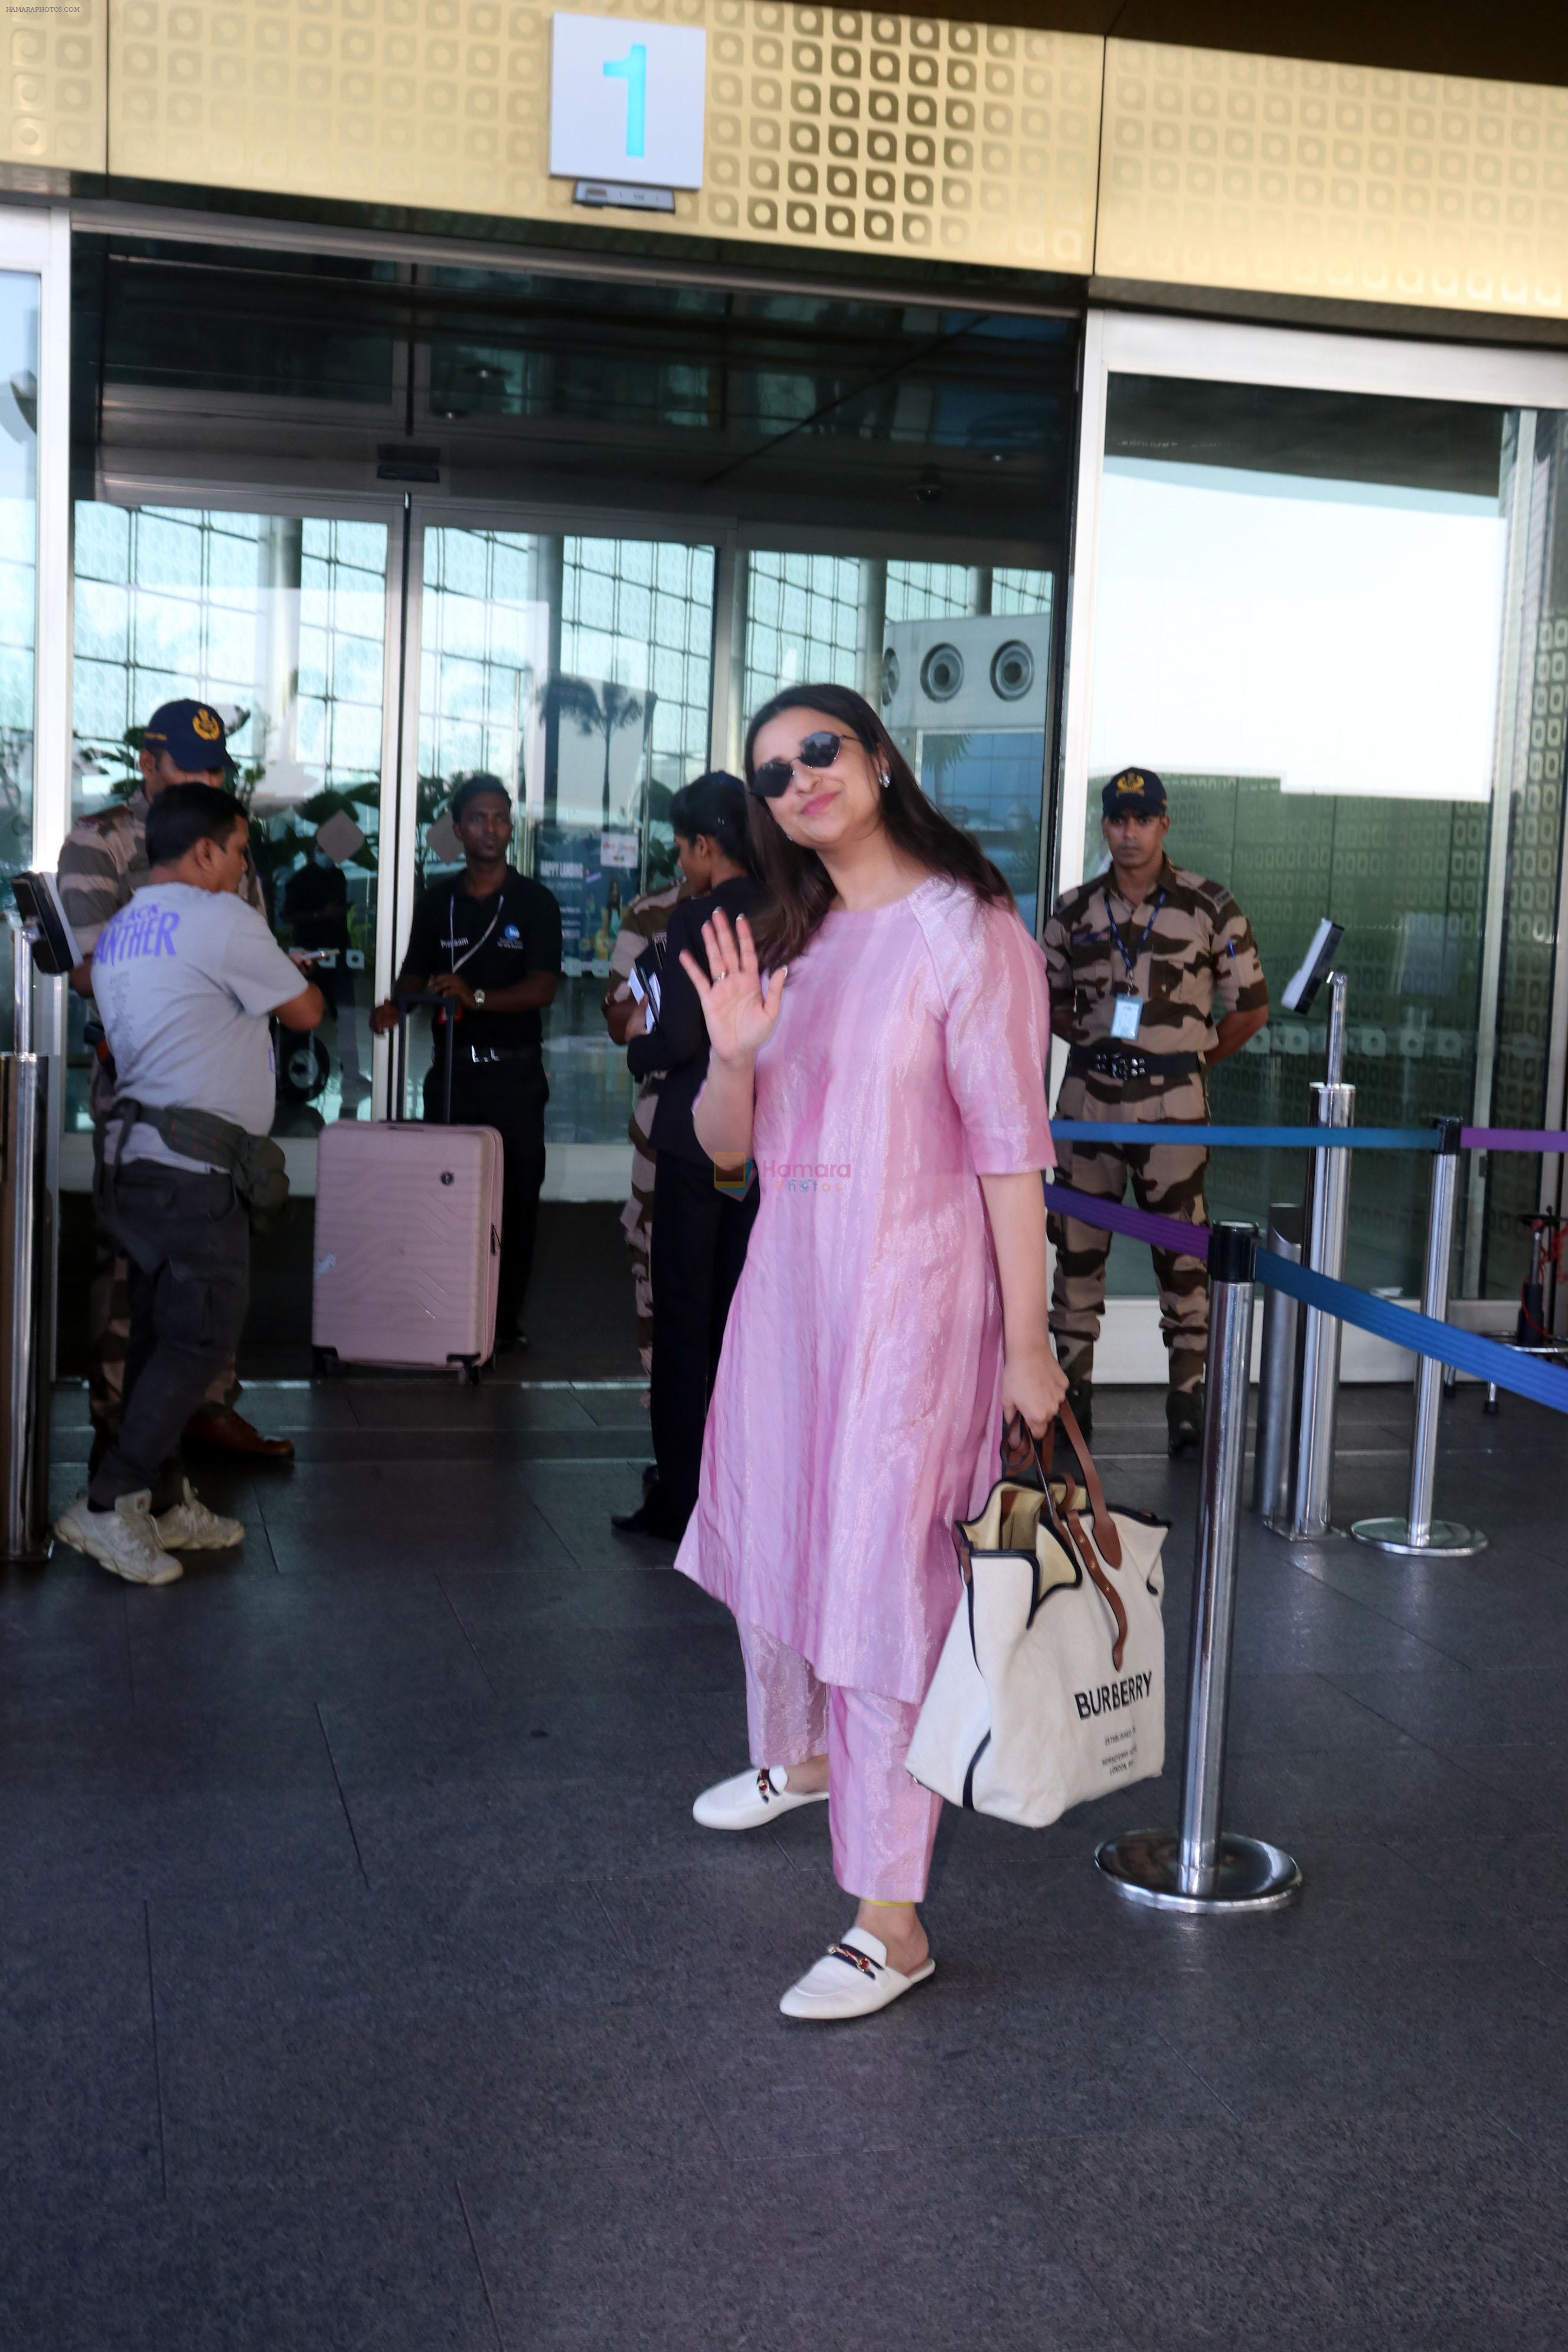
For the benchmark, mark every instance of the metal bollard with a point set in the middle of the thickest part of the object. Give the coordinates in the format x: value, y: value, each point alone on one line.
x: 1327, y: 1216
x: 1204, y: 1866
x: 21, y: 984
x: 1271, y: 1458
x: 1418, y: 1532
x: 25, y: 1258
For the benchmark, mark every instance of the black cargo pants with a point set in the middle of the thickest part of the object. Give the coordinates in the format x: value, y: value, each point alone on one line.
x: 700, y: 1239
x: 186, y: 1238
x: 508, y: 1094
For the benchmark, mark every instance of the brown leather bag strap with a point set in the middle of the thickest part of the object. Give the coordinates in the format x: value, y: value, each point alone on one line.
x: 1019, y: 1441
x: 1102, y: 1585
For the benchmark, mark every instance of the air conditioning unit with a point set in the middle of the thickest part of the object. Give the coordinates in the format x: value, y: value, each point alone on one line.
x: 986, y: 672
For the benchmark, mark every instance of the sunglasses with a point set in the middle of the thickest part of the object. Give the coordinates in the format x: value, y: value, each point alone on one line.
x: 774, y: 777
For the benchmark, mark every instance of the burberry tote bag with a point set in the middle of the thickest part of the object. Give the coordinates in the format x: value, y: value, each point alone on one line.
x: 1050, y: 1688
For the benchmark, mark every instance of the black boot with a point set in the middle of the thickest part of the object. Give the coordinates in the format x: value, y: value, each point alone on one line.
x: 1185, y: 1419
x: 653, y: 1517
x: 1081, y: 1399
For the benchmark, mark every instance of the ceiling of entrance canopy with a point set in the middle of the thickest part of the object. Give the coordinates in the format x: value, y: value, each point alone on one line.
x: 945, y: 419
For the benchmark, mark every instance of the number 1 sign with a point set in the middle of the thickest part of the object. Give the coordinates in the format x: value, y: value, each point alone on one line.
x: 626, y: 100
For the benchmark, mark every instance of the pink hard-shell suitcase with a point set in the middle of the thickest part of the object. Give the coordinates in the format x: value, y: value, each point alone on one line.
x: 409, y: 1222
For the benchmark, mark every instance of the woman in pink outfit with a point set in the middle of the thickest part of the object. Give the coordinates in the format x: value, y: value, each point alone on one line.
x: 879, y: 1052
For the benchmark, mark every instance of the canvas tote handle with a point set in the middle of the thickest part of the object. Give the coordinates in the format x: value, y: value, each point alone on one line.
x: 1018, y: 1443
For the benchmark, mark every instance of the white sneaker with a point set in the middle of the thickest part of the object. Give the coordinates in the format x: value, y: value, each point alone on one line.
x: 750, y: 1799
x: 189, y: 1525
x: 123, y: 1540
x: 852, y: 1978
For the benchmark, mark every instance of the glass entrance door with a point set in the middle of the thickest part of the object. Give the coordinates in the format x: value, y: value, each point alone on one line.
x: 578, y: 670
x: 280, y: 622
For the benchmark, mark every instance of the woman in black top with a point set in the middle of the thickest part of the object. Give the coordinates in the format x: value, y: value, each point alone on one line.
x: 701, y: 1222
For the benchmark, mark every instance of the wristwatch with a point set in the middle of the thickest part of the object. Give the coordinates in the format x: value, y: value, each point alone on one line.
x: 479, y: 998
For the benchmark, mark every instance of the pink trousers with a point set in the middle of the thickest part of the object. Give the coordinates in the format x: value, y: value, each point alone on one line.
x: 883, y: 1823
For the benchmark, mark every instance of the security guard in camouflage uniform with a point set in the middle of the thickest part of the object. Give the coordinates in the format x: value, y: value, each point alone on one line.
x: 1140, y: 960
x: 103, y: 861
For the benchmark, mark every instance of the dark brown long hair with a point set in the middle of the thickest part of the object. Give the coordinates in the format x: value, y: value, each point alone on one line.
x: 799, y: 887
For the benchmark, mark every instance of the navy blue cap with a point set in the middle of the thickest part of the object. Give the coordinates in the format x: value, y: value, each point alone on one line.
x: 1136, y: 792
x: 192, y: 735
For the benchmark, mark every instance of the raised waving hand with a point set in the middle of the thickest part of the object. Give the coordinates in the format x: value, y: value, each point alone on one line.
x: 739, y: 1014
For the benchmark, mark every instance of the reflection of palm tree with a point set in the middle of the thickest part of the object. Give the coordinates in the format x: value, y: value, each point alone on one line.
x: 604, y: 711
x: 940, y: 756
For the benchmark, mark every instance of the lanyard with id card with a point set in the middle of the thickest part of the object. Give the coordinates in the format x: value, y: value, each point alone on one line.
x: 1127, y: 1009
x: 1126, y: 1012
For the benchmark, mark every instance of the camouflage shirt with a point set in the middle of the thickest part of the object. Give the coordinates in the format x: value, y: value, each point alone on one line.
x: 1199, y: 955
x: 105, y: 860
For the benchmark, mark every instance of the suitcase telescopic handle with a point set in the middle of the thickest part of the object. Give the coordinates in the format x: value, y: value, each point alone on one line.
x: 448, y: 1013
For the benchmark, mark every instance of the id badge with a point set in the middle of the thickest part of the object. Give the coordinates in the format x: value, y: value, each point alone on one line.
x: 1125, y: 1016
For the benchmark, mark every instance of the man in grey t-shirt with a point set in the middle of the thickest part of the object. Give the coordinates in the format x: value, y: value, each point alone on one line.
x: 186, y: 979
x: 103, y: 862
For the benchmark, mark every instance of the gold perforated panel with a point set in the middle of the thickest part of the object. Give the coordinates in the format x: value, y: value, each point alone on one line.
x: 56, y: 83
x: 1223, y: 170
x: 831, y: 128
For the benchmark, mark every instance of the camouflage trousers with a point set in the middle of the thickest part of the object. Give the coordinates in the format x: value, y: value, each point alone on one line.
x: 109, y: 1335
x: 636, y: 1224
x: 1167, y: 1178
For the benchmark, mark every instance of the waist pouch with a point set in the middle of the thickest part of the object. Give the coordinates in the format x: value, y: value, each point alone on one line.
x: 255, y: 1163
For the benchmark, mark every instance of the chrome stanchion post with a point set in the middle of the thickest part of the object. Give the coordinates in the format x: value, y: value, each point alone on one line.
x: 21, y: 984
x: 1276, y: 1370
x: 1204, y: 1866
x: 1417, y: 1531
x: 1334, y: 1063
x: 24, y: 1323
x: 1327, y: 1217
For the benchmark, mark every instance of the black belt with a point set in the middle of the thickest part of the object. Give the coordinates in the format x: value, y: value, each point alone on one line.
x: 483, y: 1054
x: 1128, y: 1062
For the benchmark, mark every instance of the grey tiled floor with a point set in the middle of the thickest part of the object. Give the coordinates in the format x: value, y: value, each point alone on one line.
x: 364, y: 1982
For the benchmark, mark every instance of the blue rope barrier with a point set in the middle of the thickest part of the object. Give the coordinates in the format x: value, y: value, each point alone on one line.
x: 1467, y: 1352
x: 1304, y: 1138
x: 1119, y: 1217
x: 1122, y: 1132
x: 1486, y: 1359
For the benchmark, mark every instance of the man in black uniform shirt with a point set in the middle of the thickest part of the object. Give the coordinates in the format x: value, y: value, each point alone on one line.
x: 491, y: 941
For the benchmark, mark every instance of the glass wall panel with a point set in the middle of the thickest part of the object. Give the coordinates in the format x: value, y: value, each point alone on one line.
x: 957, y: 659
x: 280, y: 622
x: 1523, y: 891
x: 18, y: 587
x: 579, y: 671
x: 1299, y: 624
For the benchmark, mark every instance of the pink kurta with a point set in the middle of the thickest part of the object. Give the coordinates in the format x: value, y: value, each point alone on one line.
x: 857, y: 1412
